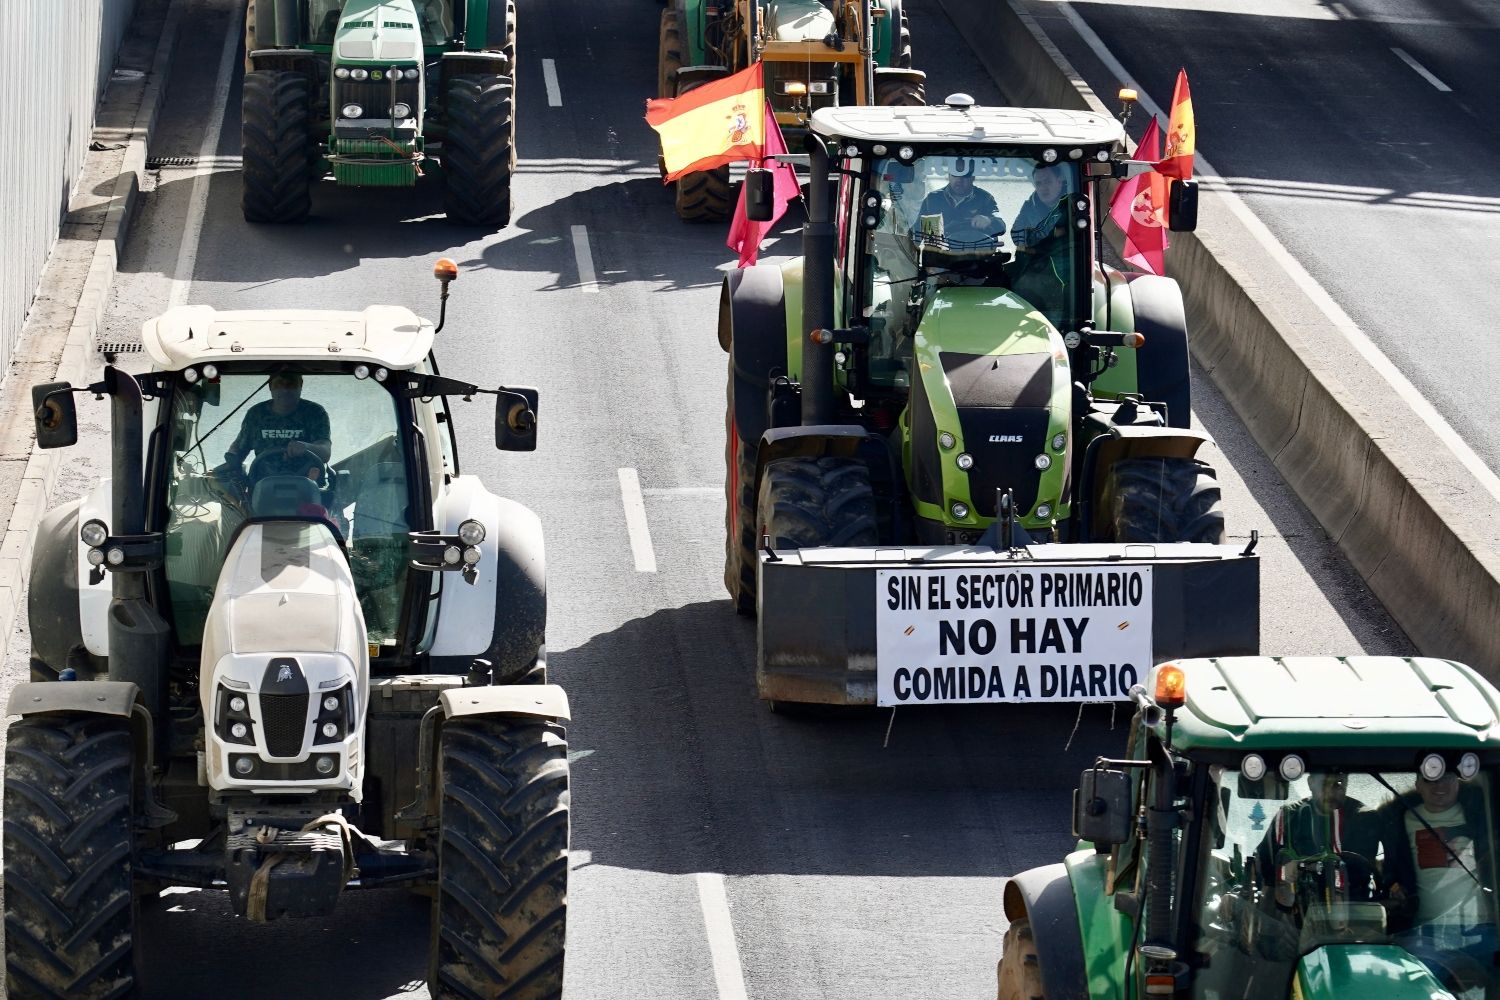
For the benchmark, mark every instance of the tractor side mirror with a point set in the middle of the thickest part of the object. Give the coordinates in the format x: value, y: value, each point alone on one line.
x: 56, y: 415
x: 1101, y: 807
x: 760, y: 194
x: 515, y: 418
x: 1182, y: 206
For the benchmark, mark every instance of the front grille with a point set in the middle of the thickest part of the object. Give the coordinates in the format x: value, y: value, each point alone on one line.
x: 1005, y: 465
x: 375, y: 98
x: 285, y: 718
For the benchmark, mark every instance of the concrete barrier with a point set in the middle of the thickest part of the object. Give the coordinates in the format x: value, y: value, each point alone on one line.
x: 1422, y: 530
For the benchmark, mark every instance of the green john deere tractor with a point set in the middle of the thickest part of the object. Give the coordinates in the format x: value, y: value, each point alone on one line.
x: 951, y: 378
x: 1308, y: 827
x: 373, y: 92
x: 816, y: 54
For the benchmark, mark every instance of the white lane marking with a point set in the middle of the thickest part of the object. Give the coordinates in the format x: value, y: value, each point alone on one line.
x: 635, y: 521
x: 1306, y: 282
x: 192, y: 232
x: 729, y: 976
x: 1343, y: 13
x: 549, y: 74
x: 1422, y: 71
x: 587, y: 281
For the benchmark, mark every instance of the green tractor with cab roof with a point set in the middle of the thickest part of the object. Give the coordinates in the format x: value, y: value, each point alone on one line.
x: 960, y: 465
x: 375, y: 92
x: 1309, y: 827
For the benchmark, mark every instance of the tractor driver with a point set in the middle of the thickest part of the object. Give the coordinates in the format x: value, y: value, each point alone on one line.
x: 1327, y: 822
x: 970, y: 214
x: 1041, y: 268
x: 288, y: 432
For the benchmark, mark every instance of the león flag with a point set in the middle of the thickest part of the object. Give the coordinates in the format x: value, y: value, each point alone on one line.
x: 1182, y: 133
x: 1139, y: 208
x: 744, y: 235
x: 718, y: 123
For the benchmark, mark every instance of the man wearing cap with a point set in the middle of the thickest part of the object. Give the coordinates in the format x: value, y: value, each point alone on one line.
x: 969, y: 213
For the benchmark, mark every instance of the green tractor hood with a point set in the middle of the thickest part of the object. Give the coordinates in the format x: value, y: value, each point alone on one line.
x: 1365, y: 970
x: 382, y: 146
x: 993, y: 374
x: 378, y: 31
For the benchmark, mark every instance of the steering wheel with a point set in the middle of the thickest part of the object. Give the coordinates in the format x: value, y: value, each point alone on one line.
x: 279, y: 463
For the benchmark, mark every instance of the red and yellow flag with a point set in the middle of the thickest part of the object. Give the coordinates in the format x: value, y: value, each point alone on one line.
x: 1182, y: 133
x: 1139, y: 208
x: 718, y: 123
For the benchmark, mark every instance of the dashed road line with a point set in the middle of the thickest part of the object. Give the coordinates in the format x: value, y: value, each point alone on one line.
x: 549, y: 74
x: 1421, y: 70
x: 635, y: 521
x: 1319, y: 296
x: 729, y: 975
x: 587, y: 280
x: 192, y: 233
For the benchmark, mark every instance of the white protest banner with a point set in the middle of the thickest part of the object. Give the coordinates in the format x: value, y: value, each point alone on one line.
x: 1017, y: 633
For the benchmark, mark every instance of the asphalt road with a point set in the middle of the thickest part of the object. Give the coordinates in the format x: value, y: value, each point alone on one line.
x: 721, y: 851
x: 1362, y: 133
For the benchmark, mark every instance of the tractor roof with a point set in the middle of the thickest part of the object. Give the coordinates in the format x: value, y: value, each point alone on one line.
x: 392, y: 336
x: 969, y: 125
x: 1378, y: 702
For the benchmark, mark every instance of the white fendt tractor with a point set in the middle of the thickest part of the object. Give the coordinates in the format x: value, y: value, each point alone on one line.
x: 287, y: 650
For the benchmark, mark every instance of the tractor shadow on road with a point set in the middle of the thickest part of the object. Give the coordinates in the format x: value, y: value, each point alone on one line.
x: 680, y: 768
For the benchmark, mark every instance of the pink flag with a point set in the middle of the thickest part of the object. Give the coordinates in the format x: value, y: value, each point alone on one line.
x: 1139, y: 208
x: 744, y: 235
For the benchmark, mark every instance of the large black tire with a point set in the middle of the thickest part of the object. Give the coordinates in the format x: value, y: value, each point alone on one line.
x: 739, y: 509
x: 1019, y: 974
x: 274, y: 123
x: 1165, y: 500
x: 900, y: 94
x: 816, y: 503
x: 479, y: 151
x: 499, y: 917
x: 903, y: 49
x: 706, y: 195
x: 69, y: 907
x: 668, y: 54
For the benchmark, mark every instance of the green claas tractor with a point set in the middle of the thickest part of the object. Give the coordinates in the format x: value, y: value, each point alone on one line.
x: 959, y: 461
x: 374, y: 92
x: 287, y: 649
x: 816, y: 54
x: 1308, y: 827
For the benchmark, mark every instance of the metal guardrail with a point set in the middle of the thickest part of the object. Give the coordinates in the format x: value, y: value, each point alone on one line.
x: 56, y: 57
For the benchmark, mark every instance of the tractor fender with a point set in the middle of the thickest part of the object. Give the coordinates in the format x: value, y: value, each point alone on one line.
x: 1045, y: 897
x: 1130, y: 441
x: 752, y: 328
x: 808, y: 441
x: 52, y: 601
x: 510, y: 592
x: 898, y: 73
x: 475, y: 63
x: 117, y: 698
x: 486, y: 24
x: 1163, y: 369
x: 93, y: 598
x: 689, y: 77
x: 542, y: 701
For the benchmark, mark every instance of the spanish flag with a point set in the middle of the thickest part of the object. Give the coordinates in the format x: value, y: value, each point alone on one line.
x: 1182, y: 133
x: 717, y: 123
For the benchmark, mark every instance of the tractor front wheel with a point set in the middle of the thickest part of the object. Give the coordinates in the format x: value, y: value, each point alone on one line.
x: 69, y: 903
x: 499, y: 916
x: 1019, y: 974
x: 817, y: 503
x: 900, y: 94
x: 739, y: 510
x: 274, y: 123
x: 706, y: 195
x: 479, y: 151
x: 1165, y: 500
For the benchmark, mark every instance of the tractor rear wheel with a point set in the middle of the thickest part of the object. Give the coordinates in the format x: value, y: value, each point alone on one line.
x: 274, y: 129
x: 69, y: 906
x: 499, y: 917
x: 1019, y: 974
x: 739, y: 509
x: 705, y: 195
x: 479, y: 151
x: 668, y: 54
x: 900, y: 94
x: 816, y: 503
x: 1165, y: 500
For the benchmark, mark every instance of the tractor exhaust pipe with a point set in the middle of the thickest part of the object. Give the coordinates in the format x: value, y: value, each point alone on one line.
x: 818, y: 248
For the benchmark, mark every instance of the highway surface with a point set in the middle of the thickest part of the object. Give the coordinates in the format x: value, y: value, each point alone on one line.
x: 721, y: 851
x: 1362, y: 133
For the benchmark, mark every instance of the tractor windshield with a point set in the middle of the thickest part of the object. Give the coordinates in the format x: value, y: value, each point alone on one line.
x: 960, y: 219
x: 1346, y: 857
x: 325, y: 445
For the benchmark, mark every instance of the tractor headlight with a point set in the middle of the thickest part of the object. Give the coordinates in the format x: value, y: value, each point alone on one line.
x: 330, y: 730
x: 360, y: 74
x: 1253, y: 767
x: 964, y: 461
x: 95, y: 557
x: 413, y: 73
x: 210, y: 372
x: 239, y: 730
x: 190, y: 375
x: 237, y: 704
x: 243, y: 765
x: 1043, y: 462
x: 1433, y: 766
x: 471, y: 532
x: 394, y: 73
x: 946, y: 440
x: 400, y: 110
x: 1044, y: 511
x: 325, y: 765
x: 114, y: 556
x: 361, y: 371
x: 232, y: 719
x: 351, y: 111
x: 1292, y: 767
x: 336, y: 716
x: 960, y: 510
x: 331, y: 703
x: 1058, y: 440
x: 93, y: 534
x: 818, y: 87
x: 453, y: 555
x: 342, y: 73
